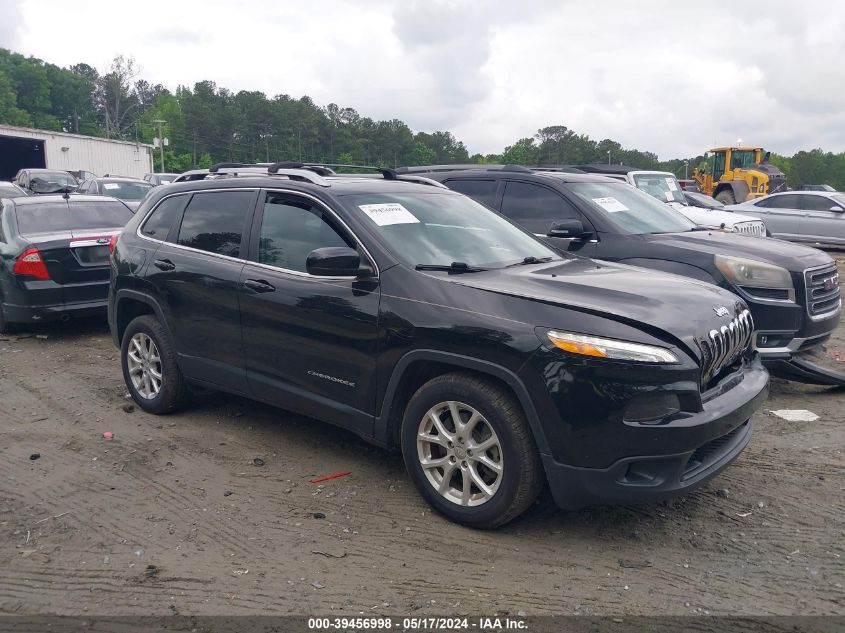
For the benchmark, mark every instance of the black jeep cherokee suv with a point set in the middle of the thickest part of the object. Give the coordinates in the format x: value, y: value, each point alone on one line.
x: 792, y: 290
x: 419, y: 319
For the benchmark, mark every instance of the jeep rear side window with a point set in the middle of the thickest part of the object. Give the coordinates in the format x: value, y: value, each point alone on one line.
x: 535, y: 207
x: 290, y: 229
x: 483, y: 191
x: 214, y: 222
x: 158, y: 224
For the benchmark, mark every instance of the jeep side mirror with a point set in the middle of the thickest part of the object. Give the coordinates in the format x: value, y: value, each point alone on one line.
x: 336, y: 261
x: 837, y: 209
x: 568, y: 229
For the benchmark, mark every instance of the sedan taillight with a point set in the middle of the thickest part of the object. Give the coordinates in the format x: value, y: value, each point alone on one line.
x: 113, y: 242
x: 31, y: 264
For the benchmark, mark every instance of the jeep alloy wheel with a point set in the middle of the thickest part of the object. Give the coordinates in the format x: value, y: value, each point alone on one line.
x: 144, y: 363
x: 460, y: 453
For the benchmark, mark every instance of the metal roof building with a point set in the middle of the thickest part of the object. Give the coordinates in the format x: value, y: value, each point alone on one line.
x: 22, y: 147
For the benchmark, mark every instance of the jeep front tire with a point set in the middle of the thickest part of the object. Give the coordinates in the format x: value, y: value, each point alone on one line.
x: 469, y: 450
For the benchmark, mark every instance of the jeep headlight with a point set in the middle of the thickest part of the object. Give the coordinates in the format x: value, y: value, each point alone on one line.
x: 610, y: 348
x: 752, y: 273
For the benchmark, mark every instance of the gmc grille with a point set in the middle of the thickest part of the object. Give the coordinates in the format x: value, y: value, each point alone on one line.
x: 823, y: 294
x: 720, y: 348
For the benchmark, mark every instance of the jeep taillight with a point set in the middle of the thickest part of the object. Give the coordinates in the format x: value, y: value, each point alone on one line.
x: 113, y: 242
x: 31, y: 264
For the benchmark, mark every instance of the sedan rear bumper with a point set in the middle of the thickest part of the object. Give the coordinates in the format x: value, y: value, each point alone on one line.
x: 53, y: 312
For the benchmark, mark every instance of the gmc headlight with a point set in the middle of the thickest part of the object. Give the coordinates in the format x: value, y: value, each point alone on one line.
x: 609, y: 348
x: 754, y: 274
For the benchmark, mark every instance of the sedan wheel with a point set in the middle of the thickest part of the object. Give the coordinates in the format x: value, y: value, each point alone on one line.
x: 460, y: 453
x: 144, y: 363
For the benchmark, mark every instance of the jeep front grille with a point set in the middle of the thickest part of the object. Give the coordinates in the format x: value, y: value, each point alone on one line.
x: 720, y: 348
x: 757, y: 229
x: 823, y: 294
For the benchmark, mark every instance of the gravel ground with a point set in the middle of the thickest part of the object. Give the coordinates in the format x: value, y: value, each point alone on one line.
x: 173, y: 516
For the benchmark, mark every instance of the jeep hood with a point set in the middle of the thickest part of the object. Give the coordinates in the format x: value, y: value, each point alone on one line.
x: 682, y: 308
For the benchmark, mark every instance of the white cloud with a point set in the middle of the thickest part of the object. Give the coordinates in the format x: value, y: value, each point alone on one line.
x: 661, y: 76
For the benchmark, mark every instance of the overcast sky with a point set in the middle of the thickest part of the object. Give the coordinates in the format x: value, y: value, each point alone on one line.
x: 665, y: 76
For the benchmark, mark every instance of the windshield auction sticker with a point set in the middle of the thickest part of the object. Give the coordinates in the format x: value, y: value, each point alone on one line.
x: 610, y: 204
x: 672, y: 185
x: 389, y: 213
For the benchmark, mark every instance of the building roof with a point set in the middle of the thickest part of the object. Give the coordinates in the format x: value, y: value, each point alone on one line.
x: 11, y: 129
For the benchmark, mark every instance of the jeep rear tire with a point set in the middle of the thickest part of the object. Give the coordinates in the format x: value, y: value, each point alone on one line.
x: 150, y: 371
x: 482, y: 471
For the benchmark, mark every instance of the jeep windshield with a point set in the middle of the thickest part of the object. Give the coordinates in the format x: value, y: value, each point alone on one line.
x: 630, y: 210
x: 664, y: 187
x: 446, y: 231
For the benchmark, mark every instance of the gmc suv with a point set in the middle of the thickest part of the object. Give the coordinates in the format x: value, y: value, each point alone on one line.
x: 792, y: 291
x: 420, y: 320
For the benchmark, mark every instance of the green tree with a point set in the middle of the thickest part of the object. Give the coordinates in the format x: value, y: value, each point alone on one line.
x: 10, y: 113
x: 421, y: 155
x: 523, y: 152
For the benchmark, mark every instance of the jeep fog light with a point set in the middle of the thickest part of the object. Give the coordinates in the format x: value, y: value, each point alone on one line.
x: 652, y: 408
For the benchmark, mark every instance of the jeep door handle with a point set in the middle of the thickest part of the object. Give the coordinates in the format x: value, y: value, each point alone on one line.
x: 259, y: 285
x: 164, y: 264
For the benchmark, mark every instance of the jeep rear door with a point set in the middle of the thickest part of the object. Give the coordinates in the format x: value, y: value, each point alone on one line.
x: 310, y: 342
x: 194, y: 278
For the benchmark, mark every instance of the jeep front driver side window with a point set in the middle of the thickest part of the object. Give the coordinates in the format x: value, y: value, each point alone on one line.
x: 291, y: 228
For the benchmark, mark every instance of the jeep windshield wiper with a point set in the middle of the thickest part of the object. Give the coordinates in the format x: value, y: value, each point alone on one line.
x: 454, y: 267
x: 531, y: 260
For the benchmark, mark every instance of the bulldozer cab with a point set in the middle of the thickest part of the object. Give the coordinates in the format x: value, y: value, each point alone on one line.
x: 731, y: 158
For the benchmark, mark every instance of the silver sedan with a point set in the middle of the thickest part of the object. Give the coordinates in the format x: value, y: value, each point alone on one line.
x: 800, y: 216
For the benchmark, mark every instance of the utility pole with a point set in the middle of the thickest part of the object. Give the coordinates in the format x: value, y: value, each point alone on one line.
x: 686, y: 170
x: 608, y: 157
x: 160, y: 142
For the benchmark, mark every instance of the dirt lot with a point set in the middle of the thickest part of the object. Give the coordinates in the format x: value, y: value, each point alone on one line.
x: 81, y: 524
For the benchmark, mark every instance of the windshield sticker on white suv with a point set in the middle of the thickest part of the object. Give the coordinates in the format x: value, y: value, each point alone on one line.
x: 669, y: 196
x: 672, y: 185
x: 610, y: 204
x: 110, y: 185
x: 387, y: 214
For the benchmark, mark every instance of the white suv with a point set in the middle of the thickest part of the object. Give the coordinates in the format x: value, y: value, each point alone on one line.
x: 665, y: 187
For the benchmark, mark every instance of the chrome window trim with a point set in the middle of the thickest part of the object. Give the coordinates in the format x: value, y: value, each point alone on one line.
x: 288, y: 271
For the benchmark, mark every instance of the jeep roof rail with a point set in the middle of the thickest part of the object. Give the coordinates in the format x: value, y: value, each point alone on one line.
x: 328, y: 169
x: 216, y: 167
x: 315, y: 173
x: 566, y: 169
x: 320, y: 170
x: 601, y: 168
x: 471, y: 166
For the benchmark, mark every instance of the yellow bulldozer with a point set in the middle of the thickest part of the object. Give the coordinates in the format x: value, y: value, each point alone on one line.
x: 738, y: 174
